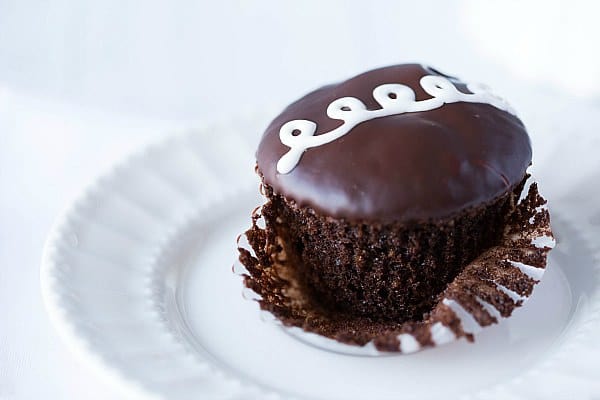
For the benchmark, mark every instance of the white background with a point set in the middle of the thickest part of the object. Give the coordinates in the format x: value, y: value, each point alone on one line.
x: 83, y: 83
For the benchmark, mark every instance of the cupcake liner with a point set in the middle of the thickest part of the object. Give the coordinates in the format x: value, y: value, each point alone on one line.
x: 487, y: 290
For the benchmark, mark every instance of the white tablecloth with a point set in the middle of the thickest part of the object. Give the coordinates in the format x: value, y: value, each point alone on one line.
x: 84, y: 83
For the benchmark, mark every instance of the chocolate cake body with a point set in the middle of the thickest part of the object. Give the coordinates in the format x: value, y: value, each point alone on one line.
x: 379, y: 221
x: 391, y: 271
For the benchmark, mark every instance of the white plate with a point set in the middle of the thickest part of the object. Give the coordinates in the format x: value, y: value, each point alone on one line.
x: 137, y: 278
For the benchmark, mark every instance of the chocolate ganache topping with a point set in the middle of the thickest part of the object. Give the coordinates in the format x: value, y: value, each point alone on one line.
x: 398, y: 167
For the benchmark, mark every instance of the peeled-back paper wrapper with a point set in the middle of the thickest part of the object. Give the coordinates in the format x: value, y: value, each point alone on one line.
x: 487, y: 290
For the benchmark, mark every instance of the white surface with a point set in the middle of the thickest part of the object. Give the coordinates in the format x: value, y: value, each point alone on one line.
x: 551, y: 41
x: 137, y: 279
x: 142, y: 64
x: 47, y: 152
x: 185, y: 58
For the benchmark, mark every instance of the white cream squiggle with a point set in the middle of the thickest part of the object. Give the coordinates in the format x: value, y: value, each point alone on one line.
x: 394, y: 98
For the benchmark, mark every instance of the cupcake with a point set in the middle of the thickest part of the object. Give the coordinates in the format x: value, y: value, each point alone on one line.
x: 395, y: 200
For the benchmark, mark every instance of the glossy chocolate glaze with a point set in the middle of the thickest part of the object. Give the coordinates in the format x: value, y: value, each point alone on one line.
x: 401, y: 168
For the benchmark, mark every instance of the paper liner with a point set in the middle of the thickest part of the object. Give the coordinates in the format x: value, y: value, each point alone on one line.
x: 488, y: 289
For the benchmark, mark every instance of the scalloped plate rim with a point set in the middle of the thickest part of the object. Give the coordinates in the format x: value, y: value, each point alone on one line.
x: 65, y: 326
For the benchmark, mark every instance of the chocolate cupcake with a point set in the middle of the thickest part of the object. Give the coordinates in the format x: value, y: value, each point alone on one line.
x: 381, y: 191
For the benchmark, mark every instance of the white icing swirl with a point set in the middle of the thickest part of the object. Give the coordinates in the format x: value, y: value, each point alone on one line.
x: 394, y: 98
